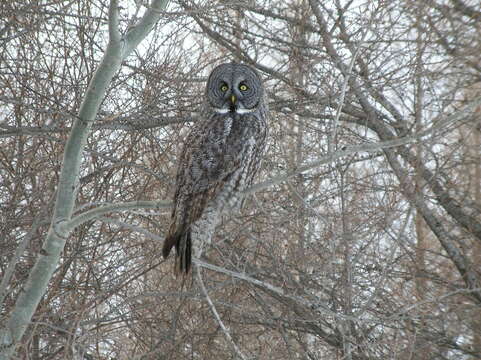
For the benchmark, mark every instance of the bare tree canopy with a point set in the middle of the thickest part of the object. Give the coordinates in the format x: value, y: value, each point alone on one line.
x: 361, y: 238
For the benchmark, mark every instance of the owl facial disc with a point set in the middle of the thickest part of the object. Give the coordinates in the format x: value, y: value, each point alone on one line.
x: 234, y: 88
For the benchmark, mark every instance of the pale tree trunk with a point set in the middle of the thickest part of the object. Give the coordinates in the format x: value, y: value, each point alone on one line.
x: 118, y: 48
x: 347, y: 326
x: 294, y: 150
x: 238, y: 33
x: 421, y: 349
x: 297, y: 73
x: 476, y: 191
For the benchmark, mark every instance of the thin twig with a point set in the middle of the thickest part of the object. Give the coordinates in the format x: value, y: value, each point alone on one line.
x: 217, y: 316
x: 347, y: 75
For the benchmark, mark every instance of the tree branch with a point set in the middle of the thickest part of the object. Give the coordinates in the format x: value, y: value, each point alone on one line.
x: 117, y: 49
x: 102, y: 210
x: 217, y: 316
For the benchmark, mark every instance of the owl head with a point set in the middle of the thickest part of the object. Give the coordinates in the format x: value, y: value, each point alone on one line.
x: 235, y: 88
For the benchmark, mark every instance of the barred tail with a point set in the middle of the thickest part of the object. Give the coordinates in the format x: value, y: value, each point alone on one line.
x: 183, y: 248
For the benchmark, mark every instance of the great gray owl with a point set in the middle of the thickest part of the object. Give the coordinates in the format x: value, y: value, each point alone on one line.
x: 219, y: 159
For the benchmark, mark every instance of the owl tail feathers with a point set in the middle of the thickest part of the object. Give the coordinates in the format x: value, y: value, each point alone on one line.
x: 183, y: 248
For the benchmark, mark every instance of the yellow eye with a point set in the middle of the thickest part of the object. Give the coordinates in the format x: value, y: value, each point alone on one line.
x: 224, y: 88
x: 243, y: 87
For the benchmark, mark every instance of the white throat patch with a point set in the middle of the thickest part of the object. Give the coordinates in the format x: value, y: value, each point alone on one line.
x: 238, y: 111
x: 244, y: 111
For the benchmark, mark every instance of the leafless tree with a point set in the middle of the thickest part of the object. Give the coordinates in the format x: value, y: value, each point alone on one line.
x: 360, y: 240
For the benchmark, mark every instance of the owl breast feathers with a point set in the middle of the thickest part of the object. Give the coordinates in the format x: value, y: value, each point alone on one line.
x: 220, y: 157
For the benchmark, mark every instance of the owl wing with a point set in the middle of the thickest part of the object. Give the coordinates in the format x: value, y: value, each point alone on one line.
x: 211, y: 161
x: 217, y: 149
x: 212, y: 152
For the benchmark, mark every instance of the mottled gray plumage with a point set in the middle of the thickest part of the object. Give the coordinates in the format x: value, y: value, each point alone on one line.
x: 219, y: 159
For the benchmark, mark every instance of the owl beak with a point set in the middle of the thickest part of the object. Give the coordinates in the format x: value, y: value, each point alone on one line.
x: 233, y: 99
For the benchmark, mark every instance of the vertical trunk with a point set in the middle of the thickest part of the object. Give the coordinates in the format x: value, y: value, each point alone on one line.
x: 347, y: 239
x: 420, y: 235
x: 421, y: 348
x: 238, y: 33
x: 295, y: 151
x: 476, y: 195
x: 297, y: 66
